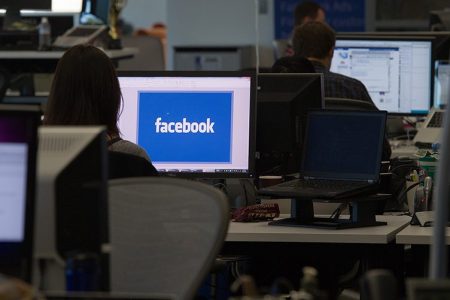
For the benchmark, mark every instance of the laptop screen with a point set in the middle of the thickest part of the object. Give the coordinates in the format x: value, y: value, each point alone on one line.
x: 343, y: 145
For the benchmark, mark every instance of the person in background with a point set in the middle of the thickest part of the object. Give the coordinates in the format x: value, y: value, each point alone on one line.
x: 293, y: 64
x: 315, y: 41
x: 85, y: 91
x: 306, y: 11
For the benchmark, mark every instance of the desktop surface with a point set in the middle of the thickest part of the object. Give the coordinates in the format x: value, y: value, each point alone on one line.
x: 262, y: 232
x: 397, y: 72
x: 191, y: 123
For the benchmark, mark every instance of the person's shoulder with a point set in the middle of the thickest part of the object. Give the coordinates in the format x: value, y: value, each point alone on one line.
x: 129, y: 147
x: 346, y: 79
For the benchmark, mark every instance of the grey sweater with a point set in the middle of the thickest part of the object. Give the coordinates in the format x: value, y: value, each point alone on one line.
x: 130, y: 148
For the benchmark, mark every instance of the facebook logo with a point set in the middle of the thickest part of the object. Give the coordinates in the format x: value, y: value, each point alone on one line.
x: 186, y: 127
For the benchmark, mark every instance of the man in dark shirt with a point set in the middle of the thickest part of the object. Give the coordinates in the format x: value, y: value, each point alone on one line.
x: 315, y: 41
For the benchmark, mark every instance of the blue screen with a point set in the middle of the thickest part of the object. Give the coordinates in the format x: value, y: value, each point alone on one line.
x: 186, y: 127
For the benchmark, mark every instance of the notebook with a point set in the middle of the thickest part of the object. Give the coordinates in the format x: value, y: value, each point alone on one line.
x: 341, y: 158
x: 431, y: 130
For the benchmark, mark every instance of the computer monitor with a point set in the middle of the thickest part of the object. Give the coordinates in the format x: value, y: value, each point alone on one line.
x: 95, y: 12
x: 13, y: 8
x: 396, y: 71
x: 197, y: 124
x: 18, y: 140
x: 441, y: 83
x: 440, y: 39
x: 71, y: 202
x: 283, y: 101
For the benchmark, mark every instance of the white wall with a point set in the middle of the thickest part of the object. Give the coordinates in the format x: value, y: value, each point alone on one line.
x: 143, y: 13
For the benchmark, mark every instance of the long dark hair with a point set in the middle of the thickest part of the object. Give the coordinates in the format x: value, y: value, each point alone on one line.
x: 85, y: 90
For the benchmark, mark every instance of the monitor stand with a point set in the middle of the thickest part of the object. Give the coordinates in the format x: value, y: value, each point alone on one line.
x: 362, y: 214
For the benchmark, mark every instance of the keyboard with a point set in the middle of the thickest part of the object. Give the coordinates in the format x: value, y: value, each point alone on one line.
x: 436, y: 119
x: 325, y: 185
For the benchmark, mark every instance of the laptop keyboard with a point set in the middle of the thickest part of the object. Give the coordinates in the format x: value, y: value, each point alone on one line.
x: 436, y: 119
x: 326, y: 185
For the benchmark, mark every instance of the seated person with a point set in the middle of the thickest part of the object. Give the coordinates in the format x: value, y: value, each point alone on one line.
x: 304, y: 12
x: 86, y: 91
x: 315, y: 41
x: 293, y: 64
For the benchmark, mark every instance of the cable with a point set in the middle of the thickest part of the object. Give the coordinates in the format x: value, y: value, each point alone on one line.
x: 403, y: 194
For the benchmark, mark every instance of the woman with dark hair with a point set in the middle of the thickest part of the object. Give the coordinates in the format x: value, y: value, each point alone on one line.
x: 86, y: 91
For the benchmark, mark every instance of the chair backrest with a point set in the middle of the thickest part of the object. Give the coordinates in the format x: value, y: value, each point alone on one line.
x: 348, y: 104
x: 379, y: 284
x: 165, y: 234
x: 150, y: 57
x: 123, y: 165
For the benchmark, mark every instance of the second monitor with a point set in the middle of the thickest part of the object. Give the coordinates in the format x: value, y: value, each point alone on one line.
x: 283, y: 102
x: 396, y: 71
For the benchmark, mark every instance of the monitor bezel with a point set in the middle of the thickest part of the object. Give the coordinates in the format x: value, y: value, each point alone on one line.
x: 387, y: 37
x: 296, y: 138
x: 25, y: 248
x: 252, y: 126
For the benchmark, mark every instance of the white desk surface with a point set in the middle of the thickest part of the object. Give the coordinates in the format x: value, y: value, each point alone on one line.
x: 409, y: 151
x: 113, y: 54
x: 416, y: 235
x: 262, y: 232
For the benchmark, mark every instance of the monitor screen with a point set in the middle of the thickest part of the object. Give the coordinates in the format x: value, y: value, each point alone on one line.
x: 18, y: 131
x: 194, y: 123
x: 396, y: 72
x: 441, y: 83
x: 283, y: 101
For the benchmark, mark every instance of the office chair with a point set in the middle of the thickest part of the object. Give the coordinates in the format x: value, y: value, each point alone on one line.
x: 348, y: 104
x: 379, y: 284
x: 124, y: 165
x: 165, y: 234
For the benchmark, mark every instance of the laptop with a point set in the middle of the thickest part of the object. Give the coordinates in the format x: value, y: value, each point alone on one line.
x: 341, y: 158
x: 431, y: 130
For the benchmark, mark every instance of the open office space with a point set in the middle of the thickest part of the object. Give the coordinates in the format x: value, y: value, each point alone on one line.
x: 192, y: 149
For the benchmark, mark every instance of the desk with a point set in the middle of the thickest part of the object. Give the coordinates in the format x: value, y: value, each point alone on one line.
x: 277, y: 251
x: 55, y: 55
x: 29, y: 62
x: 409, y: 151
x: 261, y: 232
x: 416, y: 235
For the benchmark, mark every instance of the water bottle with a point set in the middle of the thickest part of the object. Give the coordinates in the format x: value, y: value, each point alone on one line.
x: 44, y: 35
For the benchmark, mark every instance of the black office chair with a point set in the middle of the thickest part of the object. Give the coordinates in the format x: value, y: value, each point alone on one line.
x: 124, y: 165
x: 378, y: 284
x: 348, y: 104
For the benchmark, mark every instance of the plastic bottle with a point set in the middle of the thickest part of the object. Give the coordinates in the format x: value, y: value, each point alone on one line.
x: 44, y: 35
